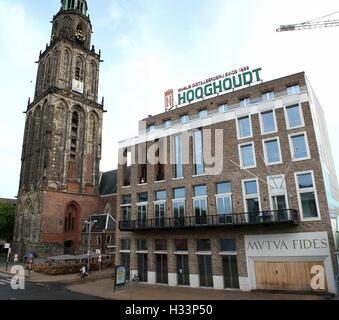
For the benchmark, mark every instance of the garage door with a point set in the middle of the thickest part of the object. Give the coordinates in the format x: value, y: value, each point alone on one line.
x: 294, y: 276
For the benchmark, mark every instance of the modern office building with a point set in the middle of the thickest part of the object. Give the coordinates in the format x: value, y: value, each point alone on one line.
x: 237, y: 190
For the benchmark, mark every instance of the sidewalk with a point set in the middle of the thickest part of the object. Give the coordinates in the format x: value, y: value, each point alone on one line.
x: 65, y: 278
x: 104, y: 289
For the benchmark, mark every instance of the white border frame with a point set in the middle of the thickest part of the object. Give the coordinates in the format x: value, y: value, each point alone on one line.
x: 287, y: 120
x: 253, y: 152
x: 265, y: 151
x: 262, y: 123
x: 245, y: 197
x: 249, y: 116
x: 270, y: 194
x: 290, y: 136
x: 308, y: 190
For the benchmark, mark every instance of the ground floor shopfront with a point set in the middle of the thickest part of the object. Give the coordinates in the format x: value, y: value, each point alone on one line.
x: 281, y: 261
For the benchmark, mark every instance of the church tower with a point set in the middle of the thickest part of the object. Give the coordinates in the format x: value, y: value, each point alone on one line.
x: 62, y: 140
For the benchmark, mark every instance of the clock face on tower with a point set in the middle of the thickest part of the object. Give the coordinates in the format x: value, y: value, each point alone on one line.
x: 79, y: 35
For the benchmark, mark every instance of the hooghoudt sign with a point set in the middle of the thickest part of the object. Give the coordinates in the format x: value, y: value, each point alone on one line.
x: 207, y: 88
x: 292, y: 244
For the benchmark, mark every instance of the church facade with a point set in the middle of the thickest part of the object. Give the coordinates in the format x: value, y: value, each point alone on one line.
x: 60, y: 178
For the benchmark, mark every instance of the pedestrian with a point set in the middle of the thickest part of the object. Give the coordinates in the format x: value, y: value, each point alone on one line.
x: 29, y: 266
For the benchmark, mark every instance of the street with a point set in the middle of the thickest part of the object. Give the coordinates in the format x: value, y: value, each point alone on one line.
x: 39, y: 291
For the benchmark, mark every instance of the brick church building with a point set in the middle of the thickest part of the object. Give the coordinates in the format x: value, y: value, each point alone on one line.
x: 60, y: 179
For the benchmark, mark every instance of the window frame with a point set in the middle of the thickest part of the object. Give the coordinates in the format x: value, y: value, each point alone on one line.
x: 265, y: 151
x: 249, y: 116
x: 262, y: 122
x: 203, y: 113
x: 271, y: 194
x: 287, y: 120
x: 245, y: 105
x: 223, y: 108
x: 307, y: 190
x: 300, y: 133
x: 242, y: 167
x: 265, y: 94
x: 222, y: 196
x: 246, y: 197
x: 293, y: 86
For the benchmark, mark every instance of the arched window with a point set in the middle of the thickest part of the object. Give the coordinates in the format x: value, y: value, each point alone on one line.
x: 74, y: 134
x: 79, y: 70
x: 67, y: 60
x: 93, y: 75
x: 48, y: 73
x: 56, y: 62
x: 70, y: 218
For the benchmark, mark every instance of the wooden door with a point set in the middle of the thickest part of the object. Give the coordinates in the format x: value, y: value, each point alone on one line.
x: 292, y: 276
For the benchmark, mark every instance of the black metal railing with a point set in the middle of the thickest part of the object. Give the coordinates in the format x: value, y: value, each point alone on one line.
x: 236, y: 219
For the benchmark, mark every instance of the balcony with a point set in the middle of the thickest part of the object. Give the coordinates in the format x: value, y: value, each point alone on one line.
x: 281, y: 217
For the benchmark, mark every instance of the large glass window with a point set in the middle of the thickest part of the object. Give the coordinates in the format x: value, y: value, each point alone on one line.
x: 224, y: 202
x: 245, y: 102
x: 272, y: 151
x: 252, y: 203
x: 167, y: 124
x: 125, y: 244
x: 291, y: 90
x: 179, y: 206
x: 142, y: 245
x: 244, y: 127
x: 247, y: 156
x: 181, y: 245
x: 203, y: 114
x: 228, y: 245
x: 268, y: 123
x: 198, y: 152
x: 268, y: 96
x: 294, y: 117
x: 223, y: 108
x: 178, y: 157
x: 278, y: 197
x: 126, y: 209
x: 308, y: 201
x: 160, y: 208
x: 204, y: 245
x: 299, y: 147
x: 184, y: 118
x: 160, y: 245
x: 142, y: 215
x: 205, y: 270
x: 160, y: 196
x: 200, y: 204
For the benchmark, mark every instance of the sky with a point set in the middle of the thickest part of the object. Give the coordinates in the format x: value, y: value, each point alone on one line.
x: 149, y: 46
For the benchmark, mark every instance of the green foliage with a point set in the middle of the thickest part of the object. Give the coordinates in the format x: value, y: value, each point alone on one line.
x: 7, y: 218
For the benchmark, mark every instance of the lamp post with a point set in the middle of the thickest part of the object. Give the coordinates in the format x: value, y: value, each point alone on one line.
x: 89, y: 223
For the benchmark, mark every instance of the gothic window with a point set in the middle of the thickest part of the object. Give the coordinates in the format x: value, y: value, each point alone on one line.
x: 67, y: 60
x: 79, y: 70
x: 56, y: 62
x: 70, y: 218
x: 74, y: 134
x: 93, y: 78
x: 48, y: 73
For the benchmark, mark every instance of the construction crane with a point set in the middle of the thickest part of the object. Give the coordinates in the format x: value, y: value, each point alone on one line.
x: 312, y: 24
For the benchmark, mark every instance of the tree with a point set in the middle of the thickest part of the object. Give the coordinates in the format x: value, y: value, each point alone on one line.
x: 7, y: 218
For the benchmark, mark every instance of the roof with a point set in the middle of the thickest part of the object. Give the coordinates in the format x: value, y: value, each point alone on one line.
x: 108, y: 183
x: 104, y: 222
x: 8, y: 201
